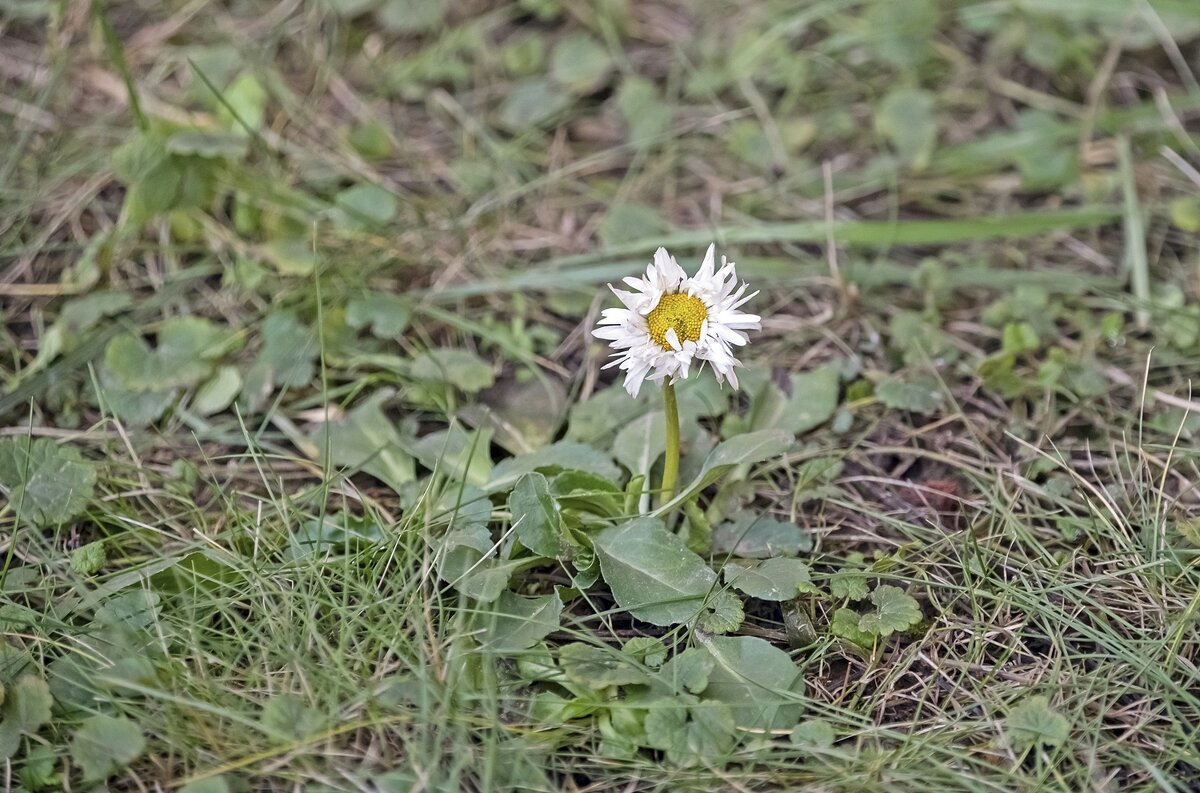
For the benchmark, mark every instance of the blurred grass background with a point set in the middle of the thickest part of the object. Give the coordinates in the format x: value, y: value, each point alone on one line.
x: 219, y: 218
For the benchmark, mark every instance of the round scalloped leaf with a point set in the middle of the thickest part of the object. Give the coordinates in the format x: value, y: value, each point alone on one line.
x: 46, y: 483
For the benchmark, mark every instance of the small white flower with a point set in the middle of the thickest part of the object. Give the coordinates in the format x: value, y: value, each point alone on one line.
x: 669, y: 321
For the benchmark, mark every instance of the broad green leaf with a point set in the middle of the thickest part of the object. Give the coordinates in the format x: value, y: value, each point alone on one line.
x: 723, y: 613
x: 88, y: 559
x: 599, y: 667
x: 184, y: 355
x: 587, y: 492
x: 287, y: 718
x: 291, y: 256
x: 647, y: 115
x: 213, y: 784
x: 363, y: 207
x: 1035, y: 723
x: 701, y: 734
x: 45, y: 483
x: 461, y: 455
x: 580, y: 63
x: 646, y: 649
x: 641, y: 442
x: 905, y: 118
x: 849, y: 584
x: 813, y: 400
x: 465, y: 562
x: 895, y: 610
x: 770, y: 579
x: 816, y: 733
x: 285, y: 360
x: 753, y: 447
x: 244, y: 104
x: 531, y: 103
x: 366, y: 439
x: 387, y: 315
x: 901, y: 33
x: 104, y: 745
x: 557, y: 457
x: 26, y: 709
x: 219, y: 392
x: 525, y: 415
x: 760, y: 537
x: 462, y: 369
x: 920, y: 394
x: 535, y: 516
x: 688, y: 671
x: 410, y: 16
x: 625, y: 221
x: 756, y: 679
x: 651, y: 573
x: 229, y: 145
x: 515, y: 623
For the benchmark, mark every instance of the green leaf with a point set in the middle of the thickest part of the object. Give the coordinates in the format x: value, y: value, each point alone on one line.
x: 291, y: 256
x: 849, y: 584
x: 516, y: 623
x: 210, y: 145
x: 752, y: 447
x: 214, y: 784
x: 461, y: 455
x: 219, y: 392
x: 813, y: 401
x: 531, y: 103
x: 45, y: 483
x: 905, y: 118
x: 363, y: 207
x: 287, y: 718
x: 88, y: 559
x: 465, y: 562
x: 289, y: 348
x: 756, y: 679
x: 845, y: 625
x: 244, y: 104
x: 723, y: 613
x: 759, y: 537
x: 535, y: 516
x: 462, y: 369
x: 557, y: 457
x: 367, y: 440
x: 651, y: 573
x: 698, y: 735
x: 641, y: 442
x: 410, y: 16
x: 895, y: 610
x: 921, y: 394
x: 26, y: 709
x: 646, y: 649
x: 625, y: 221
x: 1035, y: 723
x: 901, y: 33
x: 816, y: 733
x: 599, y: 667
x: 688, y: 671
x: 580, y: 63
x: 646, y: 114
x: 104, y: 745
x: 771, y: 579
x: 587, y: 492
x: 387, y: 315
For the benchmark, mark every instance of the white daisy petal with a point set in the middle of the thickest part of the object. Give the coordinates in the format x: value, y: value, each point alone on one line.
x: 670, y: 321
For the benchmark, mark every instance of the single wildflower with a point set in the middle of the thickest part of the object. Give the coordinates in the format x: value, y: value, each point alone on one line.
x: 670, y: 322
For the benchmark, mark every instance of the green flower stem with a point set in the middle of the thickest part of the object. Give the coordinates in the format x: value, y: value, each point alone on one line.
x: 671, y: 463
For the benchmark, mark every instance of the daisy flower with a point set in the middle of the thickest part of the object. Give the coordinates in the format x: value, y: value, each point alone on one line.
x: 670, y: 321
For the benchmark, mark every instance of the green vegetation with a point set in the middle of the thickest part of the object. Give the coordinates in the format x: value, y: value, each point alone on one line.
x: 312, y: 481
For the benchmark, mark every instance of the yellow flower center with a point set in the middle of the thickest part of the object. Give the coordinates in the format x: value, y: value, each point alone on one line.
x: 684, y: 313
